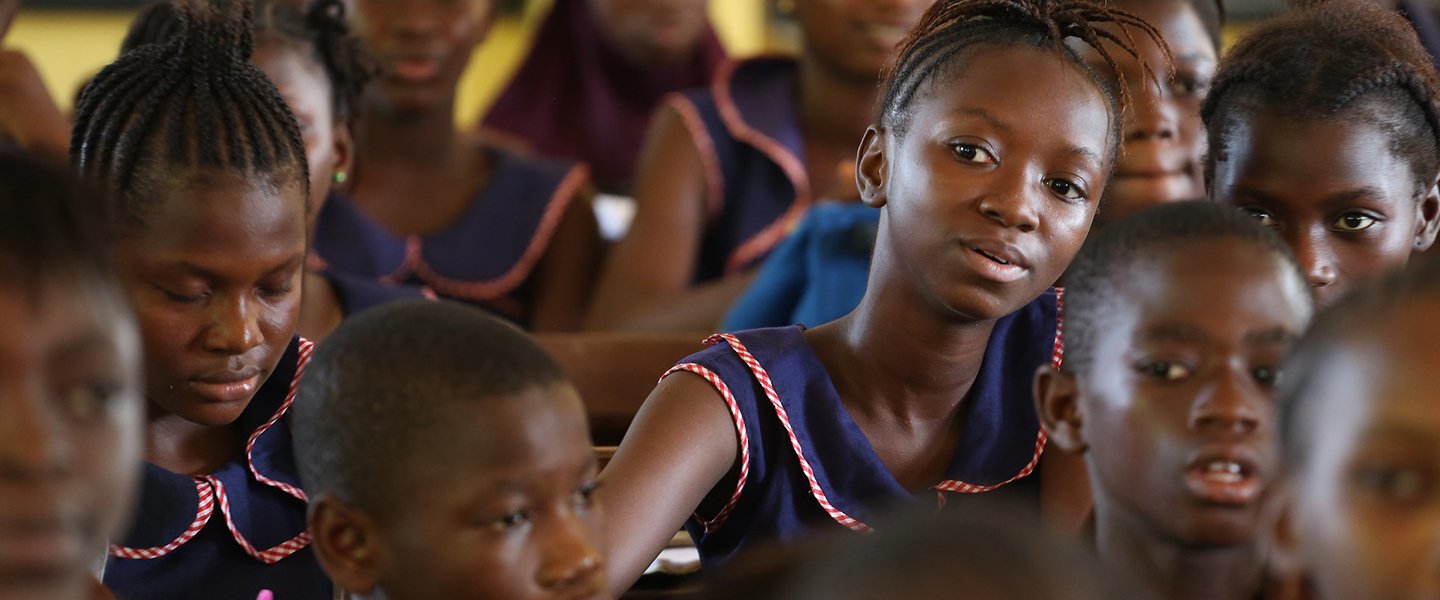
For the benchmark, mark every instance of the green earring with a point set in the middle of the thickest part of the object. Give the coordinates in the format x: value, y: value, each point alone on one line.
x: 340, y: 177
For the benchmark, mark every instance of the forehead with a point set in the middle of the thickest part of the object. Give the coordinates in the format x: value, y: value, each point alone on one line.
x: 224, y: 216
x: 1221, y: 286
x: 526, y: 436
x: 295, y: 69
x: 38, y: 319
x: 1178, y: 23
x: 1053, y: 104
x: 1311, y: 158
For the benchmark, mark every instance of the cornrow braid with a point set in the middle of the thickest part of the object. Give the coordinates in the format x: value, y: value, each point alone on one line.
x: 193, y: 101
x: 1328, y: 58
x: 322, y: 28
x: 952, y: 27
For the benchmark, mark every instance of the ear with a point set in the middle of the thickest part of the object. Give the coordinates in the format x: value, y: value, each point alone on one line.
x: 871, y: 167
x: 1428, y: 217
x: 1286, y: 563
x: 1057, y: 403
x: 346, y: 543
x: 344, y: 146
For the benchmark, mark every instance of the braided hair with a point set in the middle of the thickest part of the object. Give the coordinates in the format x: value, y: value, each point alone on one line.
x: 1326, y: 60
x: 950, y: 28
x: 191, y: 102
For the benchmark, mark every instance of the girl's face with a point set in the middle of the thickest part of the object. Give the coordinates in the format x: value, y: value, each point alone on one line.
x: 855, y: 38
x: 991, y: 191
x: 214, y: 275
x: 302, y: 81
x: 70, y: 433
x: 1348, y: 216
x: 423, y: 47
x: 1164, y: 139
x: 651, y: 32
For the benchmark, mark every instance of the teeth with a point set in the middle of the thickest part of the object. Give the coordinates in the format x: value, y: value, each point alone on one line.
x: 1224, y: 471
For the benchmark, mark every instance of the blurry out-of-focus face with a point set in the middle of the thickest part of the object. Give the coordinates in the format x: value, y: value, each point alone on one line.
x: 423, y: 47
x: 651, y: 32
x: 302, y: 81
x: 1366, y: 501
x: 70, y: 434
x: 509, y: 514
x: 855, y: 38
x: 1163, y: 137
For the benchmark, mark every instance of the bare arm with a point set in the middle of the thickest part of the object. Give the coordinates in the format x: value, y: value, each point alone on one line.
x: 646, y: 284
x: 680, y: 446
x: 567, y: 272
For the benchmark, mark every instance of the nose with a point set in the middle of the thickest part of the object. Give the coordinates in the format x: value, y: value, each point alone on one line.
x: 1012, y: 209
x: 570, y: 555
x: 234, y: 326
x: 1153, y: 118
x: 1231, y: 406
x: 31, y: 447
x: 1315, y: 256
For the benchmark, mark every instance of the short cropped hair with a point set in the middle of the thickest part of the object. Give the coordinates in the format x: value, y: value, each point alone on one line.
x: 1102, y: 268
x: 50, y: 225
x: 383, y: 383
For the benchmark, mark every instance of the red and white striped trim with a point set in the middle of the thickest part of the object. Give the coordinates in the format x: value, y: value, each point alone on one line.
x: 791, y: 165
x: 574, y: 180
x: 306, y: 348
x: 1057, y: 355
x: 763, y: 378
x: 268, y: 556
x: 711, y: 525
x: 205, y: 506
x: 700, y: 136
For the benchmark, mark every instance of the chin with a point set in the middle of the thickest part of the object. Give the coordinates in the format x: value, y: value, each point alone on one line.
x: 1219, y: 526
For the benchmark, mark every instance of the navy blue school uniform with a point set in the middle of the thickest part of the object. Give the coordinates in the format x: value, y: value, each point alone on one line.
x: 805, y: 466
x: 233, y: 532
x: 747, y: 128
x: 486, y: 258
x: 359, y: 294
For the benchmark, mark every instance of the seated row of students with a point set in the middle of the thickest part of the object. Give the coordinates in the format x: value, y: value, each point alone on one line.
x: 987, y: 185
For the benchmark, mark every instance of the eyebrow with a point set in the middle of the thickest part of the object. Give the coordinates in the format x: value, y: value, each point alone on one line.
x: 1272, y: 336
x: 1174, y: 332
x: 998, y: 123
x: 205, y: 273
x: 77, y: 347
x: 1335, y: 200
x: 1403, y: 430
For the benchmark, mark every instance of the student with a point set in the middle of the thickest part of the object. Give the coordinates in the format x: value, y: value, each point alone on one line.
x: 427, y: 205
x: 596, y: 71
x: 447, y: 457
x: 987, y: 188
x: 728, y: 171
x: 70, y: 404
x: 1359, y: 432
x: 1177, y: 320
x: 1343, y: 75
x: 320, y: 70
x: 1164, y: 140
x: 207, y: 171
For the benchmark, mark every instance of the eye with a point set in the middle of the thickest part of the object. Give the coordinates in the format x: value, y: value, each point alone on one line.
x: 1266, y: 375
x: 1190, y: 85
x: 511, y: 521
x: 1066, y: 189
x: 1354, y: 221
x: 1264, y: 217
x: 276, y: 291
x: 972, y: 153
x: 1399, y: 484
x: 88, y: 401
x: 1163, y: 370
x: 585, y: 496
x: 181, y: 298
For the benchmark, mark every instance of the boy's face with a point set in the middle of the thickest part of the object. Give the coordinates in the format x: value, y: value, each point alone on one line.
x: 1348, y: 215
x: 1366, y: 508
x: 504, y: 511
x: 70, y: 435
x: 1176, y: 409
x: 423, y: 47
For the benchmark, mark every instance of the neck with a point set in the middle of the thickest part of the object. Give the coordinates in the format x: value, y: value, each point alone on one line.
x: 180, y: 446
x: 1163, y: 568
x: 919, y: 362
x: 834, y: 107
x: 407, y: 142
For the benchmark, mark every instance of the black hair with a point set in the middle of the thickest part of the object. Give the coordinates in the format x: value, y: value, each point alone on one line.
x: 951, y: 28
x: 1103, y: 267
x: 1374, y: 309
x: 385, y: 381
x: 1330, y: 60
x: 190, y: 103
x: 319, y: 28
x: 1212, y: 18
x: 49, y: 227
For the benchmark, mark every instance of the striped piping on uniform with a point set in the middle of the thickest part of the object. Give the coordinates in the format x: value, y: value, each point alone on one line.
x: 268, y: 556
x: 205, y: 506
x: 763, y: 378
x: 711, y: 525
x: 306, y: 348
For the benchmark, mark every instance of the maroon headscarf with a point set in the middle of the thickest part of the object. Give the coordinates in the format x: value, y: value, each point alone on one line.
x: 576, y: 97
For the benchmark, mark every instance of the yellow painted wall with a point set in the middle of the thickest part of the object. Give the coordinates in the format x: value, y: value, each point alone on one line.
x: 69, y: 47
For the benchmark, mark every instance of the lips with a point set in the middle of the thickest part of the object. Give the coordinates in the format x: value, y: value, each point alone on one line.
x: 1225, y: 476
x: 996, y: 260
x: 230, y: 385
x: 414, y: 68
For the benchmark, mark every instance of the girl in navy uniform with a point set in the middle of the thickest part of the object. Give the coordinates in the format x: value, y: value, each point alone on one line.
x: 207, y: 171
x: 1339, y: 74
x: 729, y: 170
x: 987, y: 188
x: 426, y: 205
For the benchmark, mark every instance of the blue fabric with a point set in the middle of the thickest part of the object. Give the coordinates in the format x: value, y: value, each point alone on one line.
x: 358, y: 294
x: 757, y: 191
x: 484, y: 245
x: 1000, y: 429
x: 212, y: 564
x: 818, y: 274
